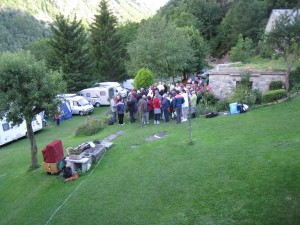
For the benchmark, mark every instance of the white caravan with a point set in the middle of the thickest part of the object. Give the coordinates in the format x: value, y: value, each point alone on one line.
x: 79, y: 105
x: 117, y: 87
x: 98, y: 95
x: 10, y: 133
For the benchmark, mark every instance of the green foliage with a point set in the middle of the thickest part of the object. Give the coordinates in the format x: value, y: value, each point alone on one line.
x: 274, y: 95
x: 26, y: 89
x: 284, y: 38
x: 107, y: 50
x: 161, y: 47
x: 69, y: 52
x: 295, y: 79
x: 90, y: 127
x: 18, y: 29
x: 275, y: 85
x: 223, y: 105
x: 243, y: 92
x: 144, y: 78
x: 242, y: 51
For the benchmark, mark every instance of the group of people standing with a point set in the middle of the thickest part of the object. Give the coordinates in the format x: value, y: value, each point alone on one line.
x: 158, y: 102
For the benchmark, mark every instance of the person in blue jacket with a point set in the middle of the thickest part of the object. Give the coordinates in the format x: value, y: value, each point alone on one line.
x: 165, y: 107
x: 121, y: 111
x: 177, y: 105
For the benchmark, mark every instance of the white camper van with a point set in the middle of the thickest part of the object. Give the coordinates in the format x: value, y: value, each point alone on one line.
x: 10, y: 133
x: 117, y: 87
x: 79, y: 105
x: 98, y: 95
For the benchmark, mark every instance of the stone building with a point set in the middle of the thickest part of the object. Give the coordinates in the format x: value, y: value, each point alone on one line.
x: 224, y: 79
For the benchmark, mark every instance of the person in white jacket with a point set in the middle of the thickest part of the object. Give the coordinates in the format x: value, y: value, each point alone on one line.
x: 185, y: 106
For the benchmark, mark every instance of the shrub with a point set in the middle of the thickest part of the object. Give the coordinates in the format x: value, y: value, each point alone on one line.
x: 243, y: 92
x: 274, y: 95
x: 275, y: 85
x: 242, y: 51
x: 223, y: 105
x: 144, y: 78
x: 90, y: 127
x: 295, y: 79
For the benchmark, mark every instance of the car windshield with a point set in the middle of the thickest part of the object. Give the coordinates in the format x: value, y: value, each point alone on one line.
x: 83, y: 102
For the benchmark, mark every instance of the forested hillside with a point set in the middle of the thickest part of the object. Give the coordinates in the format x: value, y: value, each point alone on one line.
x: 25, y: 21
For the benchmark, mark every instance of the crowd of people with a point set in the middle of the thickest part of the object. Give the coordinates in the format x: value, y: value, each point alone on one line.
x: 159, y: 102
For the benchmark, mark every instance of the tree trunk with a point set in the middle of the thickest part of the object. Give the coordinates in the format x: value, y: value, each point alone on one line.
x: 31, y: 138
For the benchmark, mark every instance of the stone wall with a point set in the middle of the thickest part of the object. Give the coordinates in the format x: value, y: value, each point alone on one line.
x: 223, y: 82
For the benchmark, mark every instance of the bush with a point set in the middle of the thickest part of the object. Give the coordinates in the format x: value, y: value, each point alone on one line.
x: 90, y: 127
x: 223, y: 105
x: 295, y: 79
x: 275, y: 85
x: 144, y: 78
x: 274, y: 95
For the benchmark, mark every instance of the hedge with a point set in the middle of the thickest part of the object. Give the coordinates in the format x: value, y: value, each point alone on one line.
x: 274, y: 95
x: 275, y: 85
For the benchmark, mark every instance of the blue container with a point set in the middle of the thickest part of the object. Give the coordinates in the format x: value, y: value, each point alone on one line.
x: 234, y: 108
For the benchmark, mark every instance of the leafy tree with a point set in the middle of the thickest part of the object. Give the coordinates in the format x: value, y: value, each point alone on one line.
x: 40, y: 49
x: 26, y: 89
x: 161, y: 47
x: 284, y: 38
x: 201, y: 49
x: 69, y: 52
x: 242, y: 50
x: 144, y: 78
x: 245, y: 17
x: 106, y: 46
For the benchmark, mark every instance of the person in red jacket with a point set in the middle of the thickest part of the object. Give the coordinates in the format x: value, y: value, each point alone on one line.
x: 150, y: 108
x: 157, y: 111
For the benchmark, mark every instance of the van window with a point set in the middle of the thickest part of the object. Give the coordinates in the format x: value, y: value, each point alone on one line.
x: 102, y: 93
x: 5, y: 126
x: 83, y: 102
x: 75, y: 103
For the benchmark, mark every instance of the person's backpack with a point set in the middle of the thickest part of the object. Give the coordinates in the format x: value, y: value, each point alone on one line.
x: 67, y: 172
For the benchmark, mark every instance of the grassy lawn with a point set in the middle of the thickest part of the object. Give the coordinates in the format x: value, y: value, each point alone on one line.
x: 241, y: 169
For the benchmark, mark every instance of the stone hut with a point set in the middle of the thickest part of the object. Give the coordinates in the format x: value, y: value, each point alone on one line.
x: 223, y: 79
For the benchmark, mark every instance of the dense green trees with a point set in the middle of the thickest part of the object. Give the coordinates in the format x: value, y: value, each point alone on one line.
x: 107, y: 51
x: 69, y: 52
x: 26, y: 89
x: 161, y: 47
x: 18, y: 29
x: 284, y: 38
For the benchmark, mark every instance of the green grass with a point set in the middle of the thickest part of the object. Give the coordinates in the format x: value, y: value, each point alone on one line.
x: 241, y: 169
x: 265, y: 64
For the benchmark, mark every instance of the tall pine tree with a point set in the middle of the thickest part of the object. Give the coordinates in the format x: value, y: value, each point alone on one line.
x: 106, y: 46
x: 69, y: 52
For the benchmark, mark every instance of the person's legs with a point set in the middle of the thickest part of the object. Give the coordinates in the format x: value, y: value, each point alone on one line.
x: 131, y: 117
x: 122, y: 118
x: 114, y: 117
x: 178, y: 114
x: 166, y: 113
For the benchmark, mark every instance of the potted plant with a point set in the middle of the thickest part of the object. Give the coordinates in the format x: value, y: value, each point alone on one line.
x: 74, y: 153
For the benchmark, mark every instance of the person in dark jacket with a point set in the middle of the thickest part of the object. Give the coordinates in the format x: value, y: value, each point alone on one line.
x: 165, y: 107
x: 131, y: 108
x: 177, y: 105
x: 121, y: 111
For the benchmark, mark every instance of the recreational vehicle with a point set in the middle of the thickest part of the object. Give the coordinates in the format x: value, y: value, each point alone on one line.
x: 116, y: 86
x: 98, y: 95
x: 10, y: 133
x: 79, y: 105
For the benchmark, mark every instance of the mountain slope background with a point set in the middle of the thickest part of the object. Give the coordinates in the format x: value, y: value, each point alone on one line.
x: 26, y: 21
